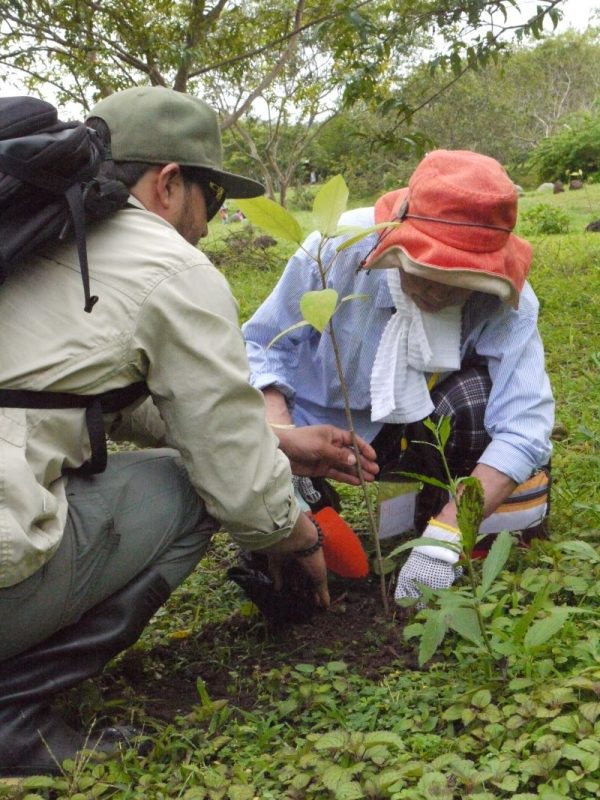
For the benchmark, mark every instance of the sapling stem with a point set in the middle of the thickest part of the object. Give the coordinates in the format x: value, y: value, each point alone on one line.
x: 453, y: 488
x: 477, y: 605
x: 361, y: 477
x: 350, y: 424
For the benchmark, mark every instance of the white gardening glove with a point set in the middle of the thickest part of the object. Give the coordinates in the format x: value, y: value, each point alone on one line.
x: 428, y: 564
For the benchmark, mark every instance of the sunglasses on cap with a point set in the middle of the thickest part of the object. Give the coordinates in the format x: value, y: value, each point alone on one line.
x: 214, y: 197
x: 214, y: 194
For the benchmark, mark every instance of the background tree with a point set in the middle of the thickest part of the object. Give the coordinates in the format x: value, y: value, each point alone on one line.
x: 88, y: 48
x: 274, y: 140
x: 573, y: 151
x: 289, y: 54
x: 506, y: 109
x: 346, y: 147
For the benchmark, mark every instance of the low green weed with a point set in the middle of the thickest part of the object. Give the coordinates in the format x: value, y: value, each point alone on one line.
x: 543, y: 219
x: 477, y: 611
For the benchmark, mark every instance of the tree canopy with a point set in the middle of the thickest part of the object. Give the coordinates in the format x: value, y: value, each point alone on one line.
x: 88, y: 48
x: 278, y: 71
x: 507, y: 108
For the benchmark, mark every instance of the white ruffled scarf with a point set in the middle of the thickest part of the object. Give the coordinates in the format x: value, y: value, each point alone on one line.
x: 413, y: 343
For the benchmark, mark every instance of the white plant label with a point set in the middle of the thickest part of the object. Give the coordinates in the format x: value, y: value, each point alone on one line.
x: 396, y: 508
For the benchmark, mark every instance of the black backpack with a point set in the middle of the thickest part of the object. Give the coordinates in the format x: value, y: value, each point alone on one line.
x: 49, y: 189
x: 48, y: 183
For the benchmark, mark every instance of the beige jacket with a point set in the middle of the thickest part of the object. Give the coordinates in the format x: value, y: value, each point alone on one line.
x: 167, y: 316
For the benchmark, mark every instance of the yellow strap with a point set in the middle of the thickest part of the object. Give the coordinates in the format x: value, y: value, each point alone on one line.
x: 444, y: 525
x: 433, y: 379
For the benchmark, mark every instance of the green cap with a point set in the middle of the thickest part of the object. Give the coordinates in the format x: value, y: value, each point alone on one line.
x: 158, y: 125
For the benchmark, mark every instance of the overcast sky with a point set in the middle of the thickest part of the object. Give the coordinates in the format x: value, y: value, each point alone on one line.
x: 577, y: 13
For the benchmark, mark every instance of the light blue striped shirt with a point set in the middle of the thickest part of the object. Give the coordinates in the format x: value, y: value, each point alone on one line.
x: 520, y: 412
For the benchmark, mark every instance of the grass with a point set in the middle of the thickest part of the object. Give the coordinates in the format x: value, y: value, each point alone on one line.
x: 582, y: 205
x: 326, y: 731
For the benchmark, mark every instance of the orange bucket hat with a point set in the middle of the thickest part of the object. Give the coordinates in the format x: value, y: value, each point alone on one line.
x: 457, y: 218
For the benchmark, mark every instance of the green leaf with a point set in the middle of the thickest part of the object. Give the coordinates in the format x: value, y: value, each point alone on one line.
x: 336, y: 666
x: 384, y: 737
x: 391, y: 778
x: 273, y: 218
x: 423, y: 478
x: 481, y: 698
x: 567, y: 723
x: 386, y: 566
x: 495, y: 560
x: 334, y: 740
x: 306, y: 669
x: 538, y: 602
x: 469, y: 511
x: 434, y: 631
x: 582, y: 549
x: 590, y: 711
x: 329, y: 204
x: 410, y: 631
x: 361, y: 233
x: 354, y: 297
x: 434, y: 786
x: 240, y: 792
x: 464, y: 622
x: 337, y: 780
x: 38, y: 782
x: 302, y: 324
x: 444, y: 429
x: 212, y: 778
x: 588, y: 761
x: 544, y: 629
x: 318, y: 307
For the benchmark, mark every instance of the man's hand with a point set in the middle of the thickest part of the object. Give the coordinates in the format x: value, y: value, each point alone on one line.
x: 304, y: 535
x: 323, y: 451
x: 313, y: 565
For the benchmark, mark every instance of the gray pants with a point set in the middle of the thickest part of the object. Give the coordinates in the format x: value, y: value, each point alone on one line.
x: 142, y: 511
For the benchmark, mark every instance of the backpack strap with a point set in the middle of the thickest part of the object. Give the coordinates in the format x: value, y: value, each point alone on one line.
x: 95, y: 406
x: 74, y: 197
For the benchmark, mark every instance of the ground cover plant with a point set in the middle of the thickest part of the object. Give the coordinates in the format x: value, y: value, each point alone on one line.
x: 340, y: 709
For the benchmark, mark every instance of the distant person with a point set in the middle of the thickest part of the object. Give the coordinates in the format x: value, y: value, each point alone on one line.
x: 447, y: 307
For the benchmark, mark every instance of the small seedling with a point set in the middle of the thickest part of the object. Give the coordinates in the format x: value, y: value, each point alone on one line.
x: 318, y: 308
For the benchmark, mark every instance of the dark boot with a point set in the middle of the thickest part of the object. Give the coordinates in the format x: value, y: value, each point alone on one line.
x: 33, y: 739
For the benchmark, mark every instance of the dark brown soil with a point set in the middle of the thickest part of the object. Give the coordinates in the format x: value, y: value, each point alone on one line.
x: 163, y: 683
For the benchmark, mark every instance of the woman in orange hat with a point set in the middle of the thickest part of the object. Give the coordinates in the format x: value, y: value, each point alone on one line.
x: 449, y: 329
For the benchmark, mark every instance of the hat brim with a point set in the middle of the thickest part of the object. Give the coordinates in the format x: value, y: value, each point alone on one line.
x: 236, y: 186
x: 475, y: 280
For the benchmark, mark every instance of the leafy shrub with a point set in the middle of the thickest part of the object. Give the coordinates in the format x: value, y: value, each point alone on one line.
x: 544, y: 219
x: 575, y: 148
x: 303, y: 198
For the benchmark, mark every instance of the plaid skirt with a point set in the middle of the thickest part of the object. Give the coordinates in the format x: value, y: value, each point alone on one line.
x: 462, y: 396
